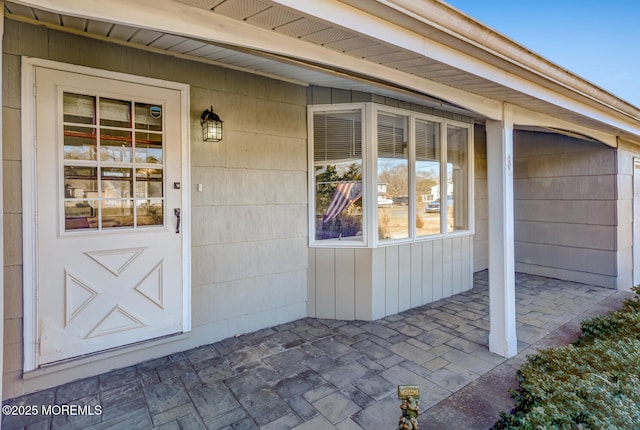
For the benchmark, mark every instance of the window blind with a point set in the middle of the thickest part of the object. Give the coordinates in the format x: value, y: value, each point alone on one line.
x: 392, y: 136
x: 337, y: 136
x: 427, y: 141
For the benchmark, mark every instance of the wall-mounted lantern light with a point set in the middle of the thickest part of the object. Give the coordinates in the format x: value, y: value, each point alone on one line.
x: 211, y: 126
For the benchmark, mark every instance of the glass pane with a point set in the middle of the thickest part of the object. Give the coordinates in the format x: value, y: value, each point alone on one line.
x: 148, y: 117
x: 80, y: 182
x: 393, y: 176
x: 457, y: 178
x: 117, y: 213
x: 338, y: 174
x: 80, y: 215
x: 148, y: 182
x: 428, y: 155
x: 149, y: 212
x: 115, y: 113
x: 115, y: 145
x: 79, y: 143
x: 148, y: 148
x: 117, y: 182
x: 337, y: 136
x: 79, y: 109
x: 339, y: 201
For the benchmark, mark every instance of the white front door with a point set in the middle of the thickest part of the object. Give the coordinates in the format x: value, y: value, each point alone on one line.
x: 108, y: 235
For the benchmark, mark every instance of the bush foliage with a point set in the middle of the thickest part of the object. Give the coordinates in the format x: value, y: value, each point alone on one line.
x: 592, y: 384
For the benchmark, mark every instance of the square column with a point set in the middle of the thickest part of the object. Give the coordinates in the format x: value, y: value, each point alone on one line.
x: 502, y: 304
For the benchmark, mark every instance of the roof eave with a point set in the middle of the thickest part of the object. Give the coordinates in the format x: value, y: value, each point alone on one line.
x: 446, y: 24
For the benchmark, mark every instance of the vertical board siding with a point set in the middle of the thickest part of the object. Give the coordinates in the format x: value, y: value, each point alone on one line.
x: 311, y: 284
x: 456, y: 265
x: 436, y: 265
x: 468, y: 263
x: 427, y: 272
x: 325, y: 283
x: 345, y: 284
x: 392, y: 285
x: 404, y: 277
x: 447, y: 268
x: 371, y: 283
x: 416, y: 275
x: 378, y: 281
x: 363, y: 284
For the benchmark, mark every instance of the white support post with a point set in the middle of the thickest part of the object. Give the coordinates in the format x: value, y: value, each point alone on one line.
x: 502, y: 305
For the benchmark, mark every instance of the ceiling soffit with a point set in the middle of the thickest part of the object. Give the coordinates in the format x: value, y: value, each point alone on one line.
x: 268, y: 15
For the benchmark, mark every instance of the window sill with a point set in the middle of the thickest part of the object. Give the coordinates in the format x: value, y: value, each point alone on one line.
x: 346, y: 243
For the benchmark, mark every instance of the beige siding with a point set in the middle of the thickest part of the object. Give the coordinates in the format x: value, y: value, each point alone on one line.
x: 325, y: 294
x: 629, y: 201
x: 363, y: 284
x: 345, y: 280
x: 427, y: 266
x: 565, y: 208
x: 416, y: 275
x: 390, y: 279
x: 437, y: 263
x: 392, y: 284
x: 249, y: 223
x: 12, y: 228
x: 367, y: 284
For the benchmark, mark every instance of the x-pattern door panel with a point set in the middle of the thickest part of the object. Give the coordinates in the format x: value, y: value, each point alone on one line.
x: 110, y: 264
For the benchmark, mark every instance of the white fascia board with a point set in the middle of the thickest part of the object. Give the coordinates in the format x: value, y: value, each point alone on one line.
x: 372, y: 26
x: 185, y: 20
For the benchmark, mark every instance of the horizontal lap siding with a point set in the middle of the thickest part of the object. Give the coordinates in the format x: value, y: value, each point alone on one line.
x: 628, y: 203
x: 565, y: 207
x: 249, y: 222
x: 481, y: 203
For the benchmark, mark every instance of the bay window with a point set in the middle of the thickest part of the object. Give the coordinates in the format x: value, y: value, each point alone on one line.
x: 382, y: 175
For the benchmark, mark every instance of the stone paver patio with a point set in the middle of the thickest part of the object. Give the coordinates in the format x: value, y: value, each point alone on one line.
x: 322, y: 374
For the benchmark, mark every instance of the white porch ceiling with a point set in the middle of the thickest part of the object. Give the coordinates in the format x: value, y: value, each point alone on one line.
x: 271, y: 16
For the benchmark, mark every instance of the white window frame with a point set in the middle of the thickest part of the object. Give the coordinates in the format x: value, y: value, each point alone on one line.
x: 347, y: 242
x: 370, y: 176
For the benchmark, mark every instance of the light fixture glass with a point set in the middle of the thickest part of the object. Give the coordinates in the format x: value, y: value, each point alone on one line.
x: 211, y: 126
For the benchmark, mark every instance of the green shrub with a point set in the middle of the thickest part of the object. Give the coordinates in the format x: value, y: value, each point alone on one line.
x: 623, y: 323
x: 591, y: 384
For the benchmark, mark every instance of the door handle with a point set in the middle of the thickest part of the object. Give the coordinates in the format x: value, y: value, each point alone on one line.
x: 176, y: 212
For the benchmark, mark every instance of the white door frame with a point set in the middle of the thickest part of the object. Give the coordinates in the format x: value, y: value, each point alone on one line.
x: 29, y: 190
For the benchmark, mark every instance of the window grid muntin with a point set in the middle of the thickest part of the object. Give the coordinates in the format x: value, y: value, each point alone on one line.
x: 100, y: 165
x: 369, y: 151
